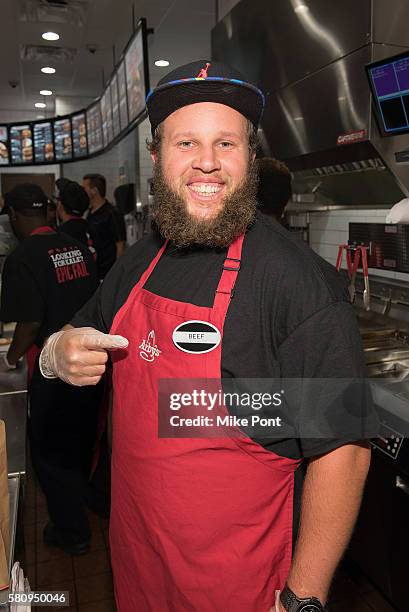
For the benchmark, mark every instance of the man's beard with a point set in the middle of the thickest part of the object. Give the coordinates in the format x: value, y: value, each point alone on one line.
x: 174, y: 222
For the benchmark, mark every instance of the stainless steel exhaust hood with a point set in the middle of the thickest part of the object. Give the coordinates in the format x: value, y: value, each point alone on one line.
x: 309, y: 57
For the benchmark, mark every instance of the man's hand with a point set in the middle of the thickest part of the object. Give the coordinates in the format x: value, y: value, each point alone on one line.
x: 78, y: 355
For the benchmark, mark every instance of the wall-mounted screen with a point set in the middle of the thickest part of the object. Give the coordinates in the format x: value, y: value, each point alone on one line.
x: 79, y: 135
x: 62, y: 139
x: 21, y: 144
x: 43, y: 142
x: 94, y: 128
x: 123, y: 103
x: 106, y: 114
x: 4, y: 150
x: 108, y: 103
x: 116, y: 124
x: 135, y: 76
x: 389, y: 81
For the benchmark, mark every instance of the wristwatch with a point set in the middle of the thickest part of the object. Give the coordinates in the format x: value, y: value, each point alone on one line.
x: 292, y: 603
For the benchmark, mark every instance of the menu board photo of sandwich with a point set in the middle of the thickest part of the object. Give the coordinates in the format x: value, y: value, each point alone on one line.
x: 4, y: 151
x: 135, y: 76
x: 62, y: 139
x: 43, y: 142
x: 94, y: 128
x: 116, y: 124
x: 21, y: 144
x: 123, y: 103
x: 79, y: 135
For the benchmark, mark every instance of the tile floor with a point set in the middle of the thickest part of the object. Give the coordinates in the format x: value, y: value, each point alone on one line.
x: 88, y: 578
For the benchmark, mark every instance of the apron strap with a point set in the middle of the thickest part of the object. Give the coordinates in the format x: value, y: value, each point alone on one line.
x: 231, y: 267
x: 151, y: 266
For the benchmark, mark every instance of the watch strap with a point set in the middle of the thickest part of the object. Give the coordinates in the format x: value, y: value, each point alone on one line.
x: 292, y: 603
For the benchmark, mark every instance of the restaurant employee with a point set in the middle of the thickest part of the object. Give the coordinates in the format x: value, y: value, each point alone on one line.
x: 46, y: 279
x: 206, y: 522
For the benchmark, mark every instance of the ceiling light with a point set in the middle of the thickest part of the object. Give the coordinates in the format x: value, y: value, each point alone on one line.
x: 40, y: 105
x: 48, y: 70
x: 50, y: 36
x: 162, y: 63
x: 40, y: 116
x: 301, y: 8
x: 46, y: 92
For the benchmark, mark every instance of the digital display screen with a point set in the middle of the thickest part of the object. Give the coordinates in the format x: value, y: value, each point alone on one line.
x: 116, y: 123
x: 94, y: 128
x: 106, y: 114
x: 4, y: 151
x: 62, y: 139
x: 135, y: 76
x: 123, y: 103
x: 43, y: 142
x: 79, y: 135
x: 21, y: 144
x: 389, y: 80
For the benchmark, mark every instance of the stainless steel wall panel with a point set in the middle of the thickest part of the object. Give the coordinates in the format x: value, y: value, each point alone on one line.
x: 390, y: 22
x: 309, y: 115
x: 277, y: 42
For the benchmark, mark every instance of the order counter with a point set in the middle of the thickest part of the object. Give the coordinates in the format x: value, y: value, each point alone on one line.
x: 13, y: 411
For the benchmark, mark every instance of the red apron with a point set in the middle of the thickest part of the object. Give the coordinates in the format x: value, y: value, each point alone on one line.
x: 198, y: 525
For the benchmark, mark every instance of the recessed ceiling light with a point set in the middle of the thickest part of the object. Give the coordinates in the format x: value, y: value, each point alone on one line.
x: 301, y: 8
x: 162, y: 63
x: 48, y: 70
x: 46, y: 92
x: 50, y: 36
x: 40, y: 105
x: 40, y: 116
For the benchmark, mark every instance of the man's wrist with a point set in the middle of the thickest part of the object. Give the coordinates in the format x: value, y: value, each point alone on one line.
x: 290, y: 601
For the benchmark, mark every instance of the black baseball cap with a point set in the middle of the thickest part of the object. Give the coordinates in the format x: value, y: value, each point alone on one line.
x: 25, y: 196
x: 204, y: 81
x: 73, y: 197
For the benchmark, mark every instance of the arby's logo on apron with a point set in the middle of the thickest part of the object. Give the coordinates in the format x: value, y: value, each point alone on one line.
x: 149, y: 349
x: 196, y: 337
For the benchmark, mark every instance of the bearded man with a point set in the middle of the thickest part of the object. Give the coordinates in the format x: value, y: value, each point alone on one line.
x: 211, y: 523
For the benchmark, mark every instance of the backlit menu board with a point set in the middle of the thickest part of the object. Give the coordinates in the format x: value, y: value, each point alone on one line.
x: 62, y: 139
x: 79, y: 135
x: 94, y: 128
x: 21, y: 144
x: 106, y: 114
x: 4, y: 151
x: 116, y: 124
x: 43, y: 142
x: 135, y: 76
x: 123, y: 103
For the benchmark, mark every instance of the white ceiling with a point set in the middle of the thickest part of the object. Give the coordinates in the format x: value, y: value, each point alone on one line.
x: 182, y: 34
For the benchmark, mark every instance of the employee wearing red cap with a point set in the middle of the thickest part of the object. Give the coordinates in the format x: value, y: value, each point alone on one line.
x: 202, y: 521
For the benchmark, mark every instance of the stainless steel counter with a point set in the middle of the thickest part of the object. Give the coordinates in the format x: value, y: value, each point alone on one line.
x: 13, y: 411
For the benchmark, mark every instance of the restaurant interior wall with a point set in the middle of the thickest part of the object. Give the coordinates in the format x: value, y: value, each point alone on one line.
x: 119, y: 165
x: 49, y: 169
x: 330, y: 229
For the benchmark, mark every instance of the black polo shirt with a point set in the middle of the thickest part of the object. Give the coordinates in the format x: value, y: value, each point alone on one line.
x: 108, y: 227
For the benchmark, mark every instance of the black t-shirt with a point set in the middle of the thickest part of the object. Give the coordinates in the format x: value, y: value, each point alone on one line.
x: 289, y: 317
x: 79, y: 229
x: 108, y: 227
x: 46, y: 279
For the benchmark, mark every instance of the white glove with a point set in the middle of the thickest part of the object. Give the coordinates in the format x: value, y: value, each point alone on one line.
x: 78, y: 356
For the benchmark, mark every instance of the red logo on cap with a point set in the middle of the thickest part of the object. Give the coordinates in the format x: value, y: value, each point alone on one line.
x: 203, y: 73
